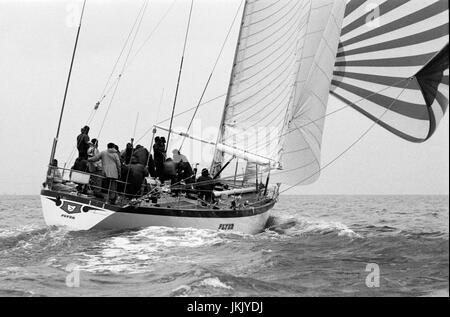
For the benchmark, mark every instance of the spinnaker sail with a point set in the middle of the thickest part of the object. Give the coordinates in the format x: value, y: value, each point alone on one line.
x: 392, y: 64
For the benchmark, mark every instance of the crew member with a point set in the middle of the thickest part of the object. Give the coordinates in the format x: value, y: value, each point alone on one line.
x: 111, y: 170
x: 83, y: 143
x: 205, y: 186
x: 159, y: 150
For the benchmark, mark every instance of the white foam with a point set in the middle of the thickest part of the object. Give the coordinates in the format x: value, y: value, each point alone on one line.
x: 438, y: 293
x: 322, y: 226
x: 135, y: 253
x: 215, y: 282
x: 303, y: 226
x: 5, y: 233
x: 183, y: 291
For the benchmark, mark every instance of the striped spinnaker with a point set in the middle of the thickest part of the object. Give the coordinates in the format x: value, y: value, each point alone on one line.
x: 392, y: 64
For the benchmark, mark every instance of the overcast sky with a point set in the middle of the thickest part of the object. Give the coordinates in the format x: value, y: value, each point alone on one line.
x: 36, y: 41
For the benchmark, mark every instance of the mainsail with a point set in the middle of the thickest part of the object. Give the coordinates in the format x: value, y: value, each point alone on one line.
x: 392, y: 64
x: 280, y: 80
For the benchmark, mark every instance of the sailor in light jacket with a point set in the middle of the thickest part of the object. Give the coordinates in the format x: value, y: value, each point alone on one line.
x: 110, y: 162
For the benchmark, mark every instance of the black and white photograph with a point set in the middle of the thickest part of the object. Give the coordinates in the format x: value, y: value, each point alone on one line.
x: 228, y: 150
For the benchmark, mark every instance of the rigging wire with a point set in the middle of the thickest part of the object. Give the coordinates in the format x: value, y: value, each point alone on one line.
x: 132, y: 152
x: 330, y: 114
x: 359, y: 139
x: 182, y: 113
x: 160, y: 104
x: 116, y: 64
x: 348, y: 148
x: 212, y: 72
x: 149, y: 37
x: 188, y: 186
x: 326, y: 115
x: 180, y: 72
x: 123, y: 68
x: 55, y: 140
x: 107, y: 90
x: 138, y: 51
x: 111, y: 85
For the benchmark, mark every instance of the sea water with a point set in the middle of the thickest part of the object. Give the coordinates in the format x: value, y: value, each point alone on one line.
x: 313, y: 246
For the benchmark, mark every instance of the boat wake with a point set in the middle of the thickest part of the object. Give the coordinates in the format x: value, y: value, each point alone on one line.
x: 139, y: 251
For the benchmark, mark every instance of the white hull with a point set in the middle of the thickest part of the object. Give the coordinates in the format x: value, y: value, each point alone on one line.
x: 78, y: 216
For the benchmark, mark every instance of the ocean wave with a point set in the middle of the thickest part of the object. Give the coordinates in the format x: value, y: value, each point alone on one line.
x: 295, y: 227
x: 438, y: 293
x: 410, y: 233
x: 424, y: 234
x: 206, y: 287
x: 15, y: 293
x: 28, y: 236
x: 215, y: 283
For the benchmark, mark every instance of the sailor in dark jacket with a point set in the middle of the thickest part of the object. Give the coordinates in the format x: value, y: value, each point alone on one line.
x: 141, y: 155
x: 151, y: 166
x: 185, y: 173
x: 159, y: 149
x: 82, y: 166
x: 126, y: 154
x: 83, y: 143
x: 137, y: 172
x: 205, y: 186
x: 169, y: 172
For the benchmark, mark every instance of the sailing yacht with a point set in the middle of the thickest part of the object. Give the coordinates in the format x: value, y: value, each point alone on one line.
x: 388, y: 60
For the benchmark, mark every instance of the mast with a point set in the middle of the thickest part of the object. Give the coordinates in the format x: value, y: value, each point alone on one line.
x: 227, y: 100
x: 55, y: 140
x: 179, y: 77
